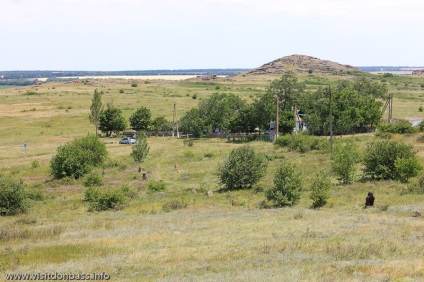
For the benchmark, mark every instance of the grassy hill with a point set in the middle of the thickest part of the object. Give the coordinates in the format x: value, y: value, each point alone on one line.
x: 209, y: 239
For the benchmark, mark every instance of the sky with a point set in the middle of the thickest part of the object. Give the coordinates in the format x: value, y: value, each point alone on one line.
x: 198, y: 34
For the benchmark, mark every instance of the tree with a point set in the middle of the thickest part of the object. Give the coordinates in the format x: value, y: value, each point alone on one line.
x: 193, y: 122
x: 13, y: 197
x: 388, y: 159
x: 287, y: 184
x: 243, y: 120
x: 140, y: 120
x: 219, y: 108
x: 140, y: 149
x: 160, y: 123
x: 286, y: 122
x: 344, y: 158
x: 243, y: 168
x: 287, y: 88
x: 76, y: 158
x: 320, y: 190
x: 112, y: 120
x: 96, y: 109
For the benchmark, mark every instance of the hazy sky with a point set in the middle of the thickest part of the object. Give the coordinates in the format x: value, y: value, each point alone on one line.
x: 182, y: 34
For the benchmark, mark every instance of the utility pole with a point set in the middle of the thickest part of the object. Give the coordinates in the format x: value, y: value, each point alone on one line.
x: 276, y: 118
x: 331, y: 120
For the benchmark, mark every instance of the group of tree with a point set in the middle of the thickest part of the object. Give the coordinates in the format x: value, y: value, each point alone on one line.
x: 111, y: 119
x: 355, y: 107
x: 244, y: 167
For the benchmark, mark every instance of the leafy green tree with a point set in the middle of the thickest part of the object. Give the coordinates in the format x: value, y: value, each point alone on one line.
x: 264, y: 111
x: 112, y: 120
x: 13, y: 197
x: 352, y: 110
x: 140, y: 149
x: 193, y: 122
x: 286, y: 122
x: 219, y: 108
x: 344, y: 159
x: 160, y: 123
x: 243, y: 168
x: 96, y: 109
x: 287, y: 88
x: 388, y: 159
x: 140, y: 120
x: 76, y: 158
x: 287, y: 184
x: 243, y: 120
x: 320, y: 190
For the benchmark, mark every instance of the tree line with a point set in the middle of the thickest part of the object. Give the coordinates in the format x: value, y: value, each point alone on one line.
x: 355, y: 108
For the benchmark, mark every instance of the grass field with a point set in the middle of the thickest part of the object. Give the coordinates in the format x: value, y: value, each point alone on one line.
x: 209, y: 239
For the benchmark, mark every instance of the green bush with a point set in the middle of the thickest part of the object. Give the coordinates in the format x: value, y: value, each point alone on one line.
x: 302, y: 143
x: 101, y: 200
x: 287, y: 184
x: 417, y: 187
x: 400, y: 126
x: 344, y: 159
x: 134, y: 84
x: 93, y: 179
x: 283, y: 141
x: 388, y: 159
x: 35, y: 164
x: 243, y: 168
x: 421, y: 126
x: 13, y: 197
x: 188, y: 142
x: 156, y: 186
x: 75, y: 159
x: 320, y: 190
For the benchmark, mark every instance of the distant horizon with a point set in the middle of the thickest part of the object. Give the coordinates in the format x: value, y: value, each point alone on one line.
x: 183, y: 69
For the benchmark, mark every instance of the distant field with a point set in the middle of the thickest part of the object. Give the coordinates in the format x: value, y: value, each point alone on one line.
x: 8, y: 86
x: 144, y: 77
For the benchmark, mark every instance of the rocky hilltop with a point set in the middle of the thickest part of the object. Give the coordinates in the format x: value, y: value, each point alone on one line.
x: 301, y: 63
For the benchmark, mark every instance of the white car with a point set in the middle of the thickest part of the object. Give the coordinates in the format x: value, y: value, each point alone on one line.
x: 127, y: 140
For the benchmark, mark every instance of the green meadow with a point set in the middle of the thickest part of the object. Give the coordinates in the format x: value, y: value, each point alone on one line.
x: 207, y: 238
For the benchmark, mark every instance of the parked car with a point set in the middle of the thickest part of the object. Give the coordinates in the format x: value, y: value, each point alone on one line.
x: 127, y: 140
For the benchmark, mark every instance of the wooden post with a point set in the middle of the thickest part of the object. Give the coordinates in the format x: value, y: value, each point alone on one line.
x: 331, y: 121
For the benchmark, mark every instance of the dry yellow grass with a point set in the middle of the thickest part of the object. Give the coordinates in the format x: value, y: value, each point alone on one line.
x: 209, y: 240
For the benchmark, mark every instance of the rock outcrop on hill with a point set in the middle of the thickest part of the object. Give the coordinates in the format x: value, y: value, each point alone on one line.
x: 301, y: 63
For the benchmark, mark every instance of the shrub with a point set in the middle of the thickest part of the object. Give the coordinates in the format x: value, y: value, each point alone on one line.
x: 174, y: 205
x: 13, y: 197
x: 417, y: 187
x: 421, y: 126
x: 320, y: 190
x: 283, y: 141
x: 388, y: 159
x: 287, y: 184
x: 400, y: 126
x: 101, y: 200
x: 75, y: 159
x: 344, y: 158
x: 93, y: 179
x: 188, y: 142
x: 134, y: 84
x: 243, y: 168
x: 156, y: 186
x: 35, y: 164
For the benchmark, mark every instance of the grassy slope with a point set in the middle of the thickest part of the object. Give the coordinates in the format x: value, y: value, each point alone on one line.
x: 210, y: 239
